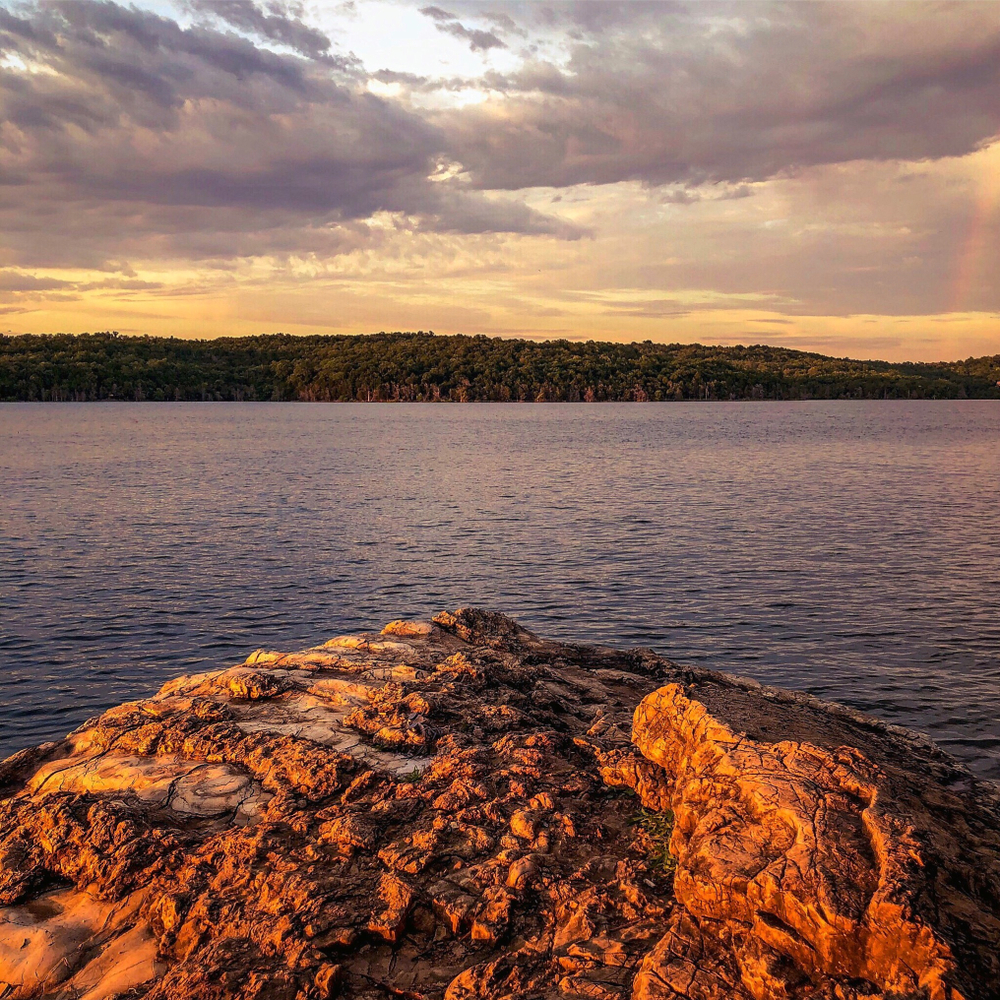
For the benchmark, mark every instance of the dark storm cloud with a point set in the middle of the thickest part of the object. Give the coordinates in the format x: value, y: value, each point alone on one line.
x: 479, y: 40
x: 703, y: 93
x: 129, y: 127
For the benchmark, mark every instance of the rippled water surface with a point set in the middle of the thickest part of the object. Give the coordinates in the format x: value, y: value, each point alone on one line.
x: 848, y: 549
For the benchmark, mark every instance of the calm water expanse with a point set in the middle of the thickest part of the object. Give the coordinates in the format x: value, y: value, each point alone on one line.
x: 847, y: 549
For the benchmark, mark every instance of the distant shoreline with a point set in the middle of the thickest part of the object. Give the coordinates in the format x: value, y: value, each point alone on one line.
x: 424, y: 367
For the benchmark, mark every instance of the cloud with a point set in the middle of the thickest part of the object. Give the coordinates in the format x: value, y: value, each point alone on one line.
x: 706, y: 93
x: 18, y: 281
x: 130, y: 134
x: 33, y: 287
x: 275, y: 24
x: 831, y: 160
x: 437, y: 14
x: 479, y: 40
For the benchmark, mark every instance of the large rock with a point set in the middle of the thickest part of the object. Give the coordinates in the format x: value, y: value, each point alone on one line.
x: 457, y: 809
x: 842, y: 859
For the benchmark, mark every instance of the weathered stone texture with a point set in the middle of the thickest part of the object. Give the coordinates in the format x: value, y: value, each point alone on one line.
x: 459, y: 809
x: 819, y: 869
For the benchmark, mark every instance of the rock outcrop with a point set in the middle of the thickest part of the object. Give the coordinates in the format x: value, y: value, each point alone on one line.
x: 459, y: 809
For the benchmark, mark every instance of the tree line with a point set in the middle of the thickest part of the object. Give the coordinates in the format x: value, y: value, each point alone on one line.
x: 425, y: 367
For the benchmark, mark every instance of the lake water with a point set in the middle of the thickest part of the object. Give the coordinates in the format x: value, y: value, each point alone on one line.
x: 847, y: 549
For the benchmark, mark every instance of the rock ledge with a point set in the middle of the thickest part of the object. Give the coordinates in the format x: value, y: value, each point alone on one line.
x: 458, y: 809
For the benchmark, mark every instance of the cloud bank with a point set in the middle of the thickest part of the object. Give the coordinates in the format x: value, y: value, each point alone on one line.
x: 121, y: 126
x: 831, y: 158
x: 702, y: 93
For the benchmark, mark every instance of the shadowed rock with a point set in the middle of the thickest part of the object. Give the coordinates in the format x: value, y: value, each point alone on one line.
x: 460, y: 809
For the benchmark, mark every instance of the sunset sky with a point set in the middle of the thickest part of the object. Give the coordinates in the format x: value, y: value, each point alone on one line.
x: 823, y: 176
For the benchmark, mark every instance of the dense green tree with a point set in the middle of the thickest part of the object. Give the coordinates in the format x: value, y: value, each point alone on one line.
x: 424, y: 367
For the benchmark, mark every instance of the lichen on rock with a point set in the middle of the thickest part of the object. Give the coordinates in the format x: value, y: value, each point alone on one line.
x: 460, y: 809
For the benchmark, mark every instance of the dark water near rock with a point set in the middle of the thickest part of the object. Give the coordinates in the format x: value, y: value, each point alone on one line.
x: 848, y: 549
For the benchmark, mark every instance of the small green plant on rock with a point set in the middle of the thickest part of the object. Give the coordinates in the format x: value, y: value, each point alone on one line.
x: 657, y: 828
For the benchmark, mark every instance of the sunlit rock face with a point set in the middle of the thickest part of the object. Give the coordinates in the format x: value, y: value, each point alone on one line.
x: 818, y: 868
x: 459, y: 809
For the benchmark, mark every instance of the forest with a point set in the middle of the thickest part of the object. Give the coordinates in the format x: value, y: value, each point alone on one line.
x: 421, y: 366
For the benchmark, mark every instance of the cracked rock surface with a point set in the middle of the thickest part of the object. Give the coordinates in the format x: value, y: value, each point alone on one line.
x: 458, y: 809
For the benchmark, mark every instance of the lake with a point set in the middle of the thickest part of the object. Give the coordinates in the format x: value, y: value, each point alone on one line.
x: 849, y: 549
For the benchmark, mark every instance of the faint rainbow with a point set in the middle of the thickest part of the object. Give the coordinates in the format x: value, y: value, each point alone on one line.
x: 975, y: 249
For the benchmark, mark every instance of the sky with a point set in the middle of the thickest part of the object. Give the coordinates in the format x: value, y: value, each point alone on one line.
x: 822, y: 176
